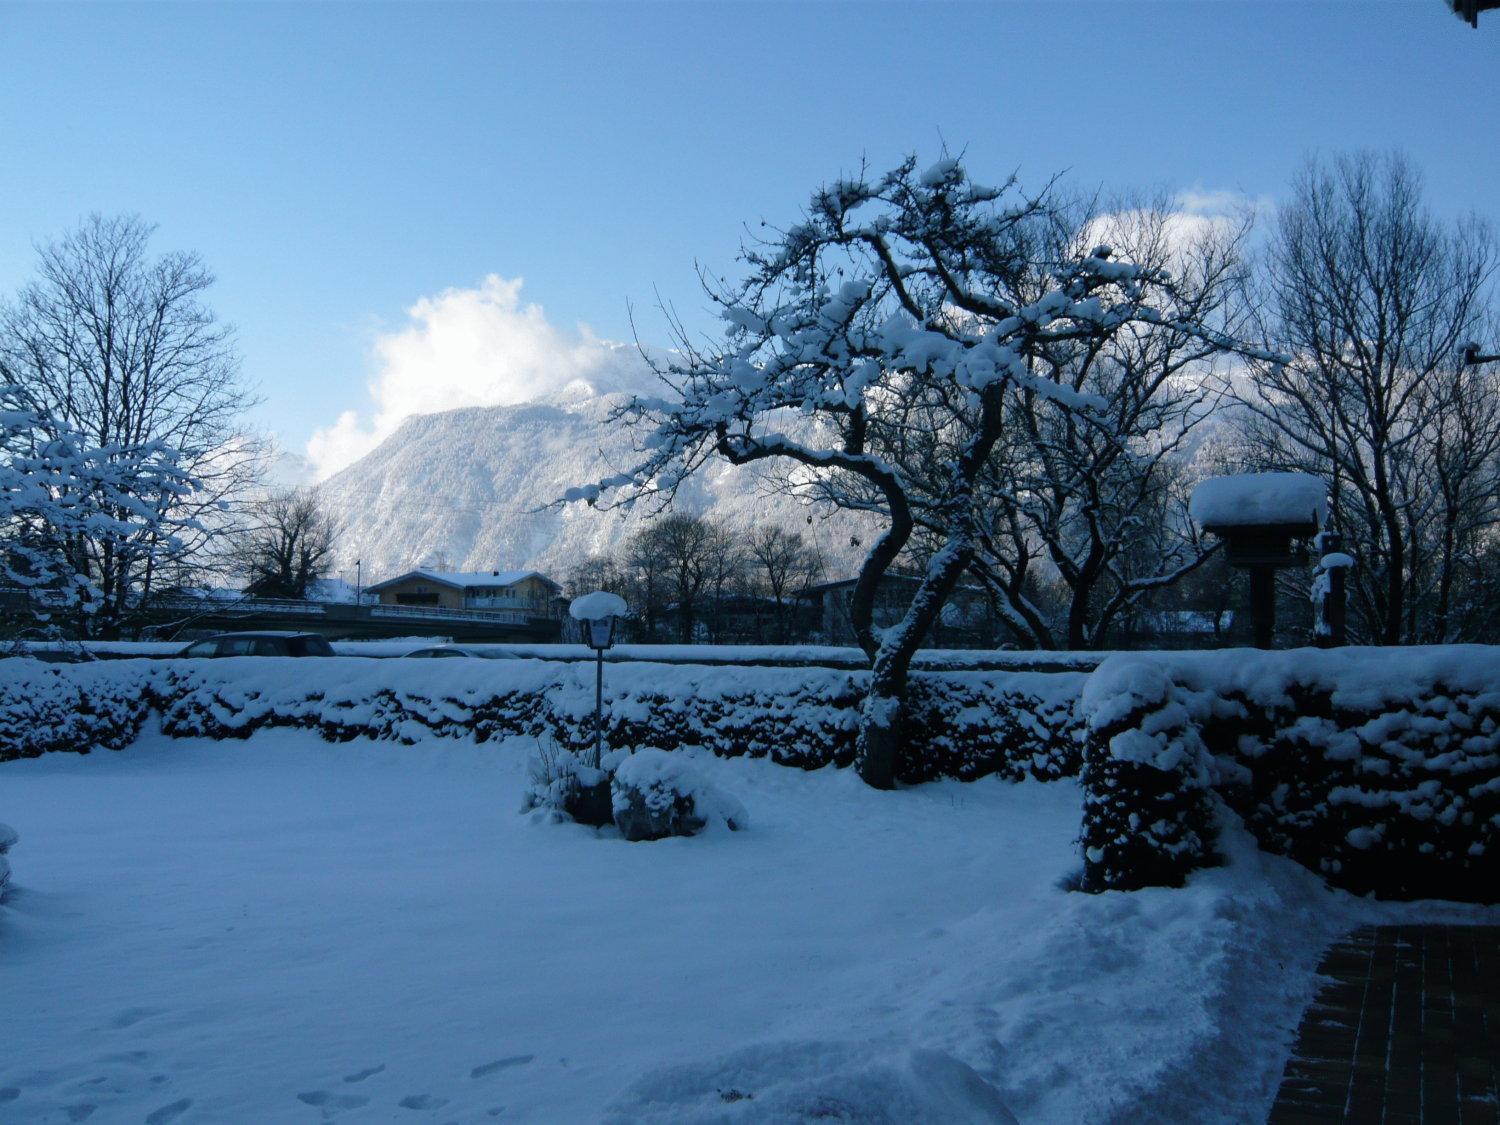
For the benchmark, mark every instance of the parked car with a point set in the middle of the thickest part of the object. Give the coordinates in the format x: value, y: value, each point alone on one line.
x: 437, y: 651
x: 260, y: 644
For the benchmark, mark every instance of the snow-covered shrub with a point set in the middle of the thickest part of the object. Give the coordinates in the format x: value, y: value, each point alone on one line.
x: 1379, y: 769
x: 48, y: 707
x: 657, y: 794
x: 8, y: 838
x: 1147, y: 803
x: 971, y: 724
x: 559, y: 781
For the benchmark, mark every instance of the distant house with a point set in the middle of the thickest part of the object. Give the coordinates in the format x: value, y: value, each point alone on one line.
x: 525, y: 590
x: 966, y: 621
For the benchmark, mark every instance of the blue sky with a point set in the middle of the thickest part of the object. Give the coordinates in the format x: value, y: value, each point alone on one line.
x: 336, y: 163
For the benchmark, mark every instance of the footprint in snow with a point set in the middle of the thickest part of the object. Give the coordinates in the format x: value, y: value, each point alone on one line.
x: 168, y: 1112
x: 132, y: 1016
x: 500, y: 1064
x: 81, y: 1112
x: 361, y: 1075
x: 332, y: 1104
x: 9, y: 1094
x: 422, y: 1101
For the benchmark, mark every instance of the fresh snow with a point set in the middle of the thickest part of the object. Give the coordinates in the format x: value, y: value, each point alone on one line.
x: 282, y: 929
x: 597, y: 606
x: 1257, y: 499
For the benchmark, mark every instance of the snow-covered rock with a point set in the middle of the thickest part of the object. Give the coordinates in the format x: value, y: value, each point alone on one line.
x: 657, y: 794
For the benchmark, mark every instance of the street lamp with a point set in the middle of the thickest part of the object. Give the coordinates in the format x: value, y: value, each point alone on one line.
x: 598, y: 612
x: 1472, y: 358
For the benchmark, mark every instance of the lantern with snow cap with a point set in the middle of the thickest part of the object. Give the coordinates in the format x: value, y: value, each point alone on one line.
x: 1263, y: 519
x: 598, y: 613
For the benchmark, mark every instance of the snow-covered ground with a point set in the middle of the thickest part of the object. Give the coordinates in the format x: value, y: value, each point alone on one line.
x: 287, y: 930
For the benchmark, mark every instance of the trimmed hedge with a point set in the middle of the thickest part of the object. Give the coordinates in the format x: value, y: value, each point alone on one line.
x: 1378, y: 769
x: 965, y: 724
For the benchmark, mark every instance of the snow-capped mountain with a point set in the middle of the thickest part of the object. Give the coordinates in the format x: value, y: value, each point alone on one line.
x: 467, y: 489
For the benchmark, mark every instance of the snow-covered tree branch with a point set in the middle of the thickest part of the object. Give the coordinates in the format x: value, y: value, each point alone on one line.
x: 61, y: 496
x: 901, y: 306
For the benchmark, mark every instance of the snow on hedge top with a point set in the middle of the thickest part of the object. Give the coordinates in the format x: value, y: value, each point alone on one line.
x: 597, y: 606
x: 1259, y: 499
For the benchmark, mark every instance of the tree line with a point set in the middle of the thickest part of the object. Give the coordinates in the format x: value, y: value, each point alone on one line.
x: 1007, y: 382
x: 1017, y: 388
x: 691, y: 579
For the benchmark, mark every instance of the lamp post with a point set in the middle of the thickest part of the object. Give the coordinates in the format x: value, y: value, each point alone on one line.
x: 598, y: 612
x: 359, y: 584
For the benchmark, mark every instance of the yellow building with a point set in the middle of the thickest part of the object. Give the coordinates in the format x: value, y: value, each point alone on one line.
x: 522, y: 590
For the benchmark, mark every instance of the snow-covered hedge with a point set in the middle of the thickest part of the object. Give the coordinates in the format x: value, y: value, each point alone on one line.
x: 1148, y: 811
x: 1379, y: 769
x: 966, y: 724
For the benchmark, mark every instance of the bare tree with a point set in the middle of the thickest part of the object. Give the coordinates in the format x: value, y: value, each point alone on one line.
x: 287, y: 546
x: 686, y: 545
x: 119, y: 346
x: 1371, y: 300
x: 785, y: 567
x: 914, y: 287
x: 1098, y: 500
x: 644, y: 572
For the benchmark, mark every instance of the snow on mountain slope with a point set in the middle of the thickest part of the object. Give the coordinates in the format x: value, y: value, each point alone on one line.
x: 463, y: 488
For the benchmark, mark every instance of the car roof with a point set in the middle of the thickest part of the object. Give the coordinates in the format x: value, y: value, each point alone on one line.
x: 261, y: 633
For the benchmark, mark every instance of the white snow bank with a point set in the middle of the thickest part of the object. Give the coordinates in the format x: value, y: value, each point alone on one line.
x: 1257, y: 499
x: 597, y: 606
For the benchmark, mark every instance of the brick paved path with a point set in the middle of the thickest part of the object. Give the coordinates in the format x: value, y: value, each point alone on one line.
x: 1408, y: 1031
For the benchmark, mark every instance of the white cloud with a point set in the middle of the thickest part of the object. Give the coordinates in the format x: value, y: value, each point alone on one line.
x: 1194, y: 214
x: 465, y: 347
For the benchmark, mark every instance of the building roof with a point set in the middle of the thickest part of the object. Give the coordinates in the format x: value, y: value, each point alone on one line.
x: 466, y: 580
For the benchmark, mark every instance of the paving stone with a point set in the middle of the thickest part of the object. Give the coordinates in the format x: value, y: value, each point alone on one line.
x: 1406, y: 1029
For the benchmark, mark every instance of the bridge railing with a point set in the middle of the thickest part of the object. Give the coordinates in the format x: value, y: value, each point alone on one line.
x: 509, y: 616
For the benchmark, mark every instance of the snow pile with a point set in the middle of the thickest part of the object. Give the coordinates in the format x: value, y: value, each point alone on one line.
x: 597, y: 606
x: 657, y: 794
x: 1259, y: 499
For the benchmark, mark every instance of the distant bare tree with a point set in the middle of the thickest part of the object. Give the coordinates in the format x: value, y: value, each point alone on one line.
x: 725, y: 576
x: 1372, y: 300
x: 1100, y: 501
x: 686, y: 545
x: 287, y: 546
x: 785, y: 566
x: 119, y: 346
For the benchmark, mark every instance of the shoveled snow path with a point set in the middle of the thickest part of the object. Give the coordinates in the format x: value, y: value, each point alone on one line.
x: 284, y: 930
